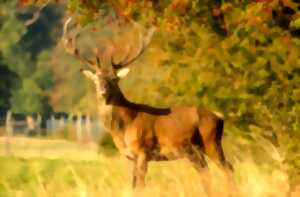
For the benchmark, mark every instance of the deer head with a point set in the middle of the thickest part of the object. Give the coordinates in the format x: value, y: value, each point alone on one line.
x: 105, y: 78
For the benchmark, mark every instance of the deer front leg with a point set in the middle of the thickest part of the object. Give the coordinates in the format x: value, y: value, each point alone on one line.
x: 141, y: 169
x: 132, y: 170
x: 138, y: 169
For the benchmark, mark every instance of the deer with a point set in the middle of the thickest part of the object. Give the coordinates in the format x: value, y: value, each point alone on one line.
x: 143, y: 133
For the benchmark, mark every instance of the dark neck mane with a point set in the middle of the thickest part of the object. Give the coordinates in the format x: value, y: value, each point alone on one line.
x: 117, y: 98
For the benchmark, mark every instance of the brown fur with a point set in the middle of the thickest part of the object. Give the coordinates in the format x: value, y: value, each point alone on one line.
x: 144, y: 133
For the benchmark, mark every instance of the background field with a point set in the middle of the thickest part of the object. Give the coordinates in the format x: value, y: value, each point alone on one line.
x: 41, y: 167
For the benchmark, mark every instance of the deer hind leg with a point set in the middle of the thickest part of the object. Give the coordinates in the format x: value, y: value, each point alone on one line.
x: 214, y: 150
x: 218, y: 141
x: 213, y: 144
x: 195, y: 155
x: 227, y: 166
x: 195, y: 151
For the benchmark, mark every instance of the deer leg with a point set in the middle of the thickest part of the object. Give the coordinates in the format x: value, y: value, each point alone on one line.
x: 218, y: 144
x: 212, y: 141
x: 141, y: 167
x: 214, y: 150
x: 133, y: 171
x: 227, y: 168
x: 196, y: 157
x: 199, y: 163
x: 221, y: 156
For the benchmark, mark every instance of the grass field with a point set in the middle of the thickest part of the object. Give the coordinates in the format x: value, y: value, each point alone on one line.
x: 40, y: 167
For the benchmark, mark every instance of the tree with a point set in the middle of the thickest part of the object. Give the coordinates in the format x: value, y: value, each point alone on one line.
x: 240, y: 57
x: 11, y: 31
x: 7, y: 83
x: 24, y: 53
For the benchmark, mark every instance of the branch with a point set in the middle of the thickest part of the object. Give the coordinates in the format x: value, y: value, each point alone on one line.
x: 36, y: 15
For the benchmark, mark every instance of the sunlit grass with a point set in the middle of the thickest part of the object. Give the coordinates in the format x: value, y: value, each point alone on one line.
x: 77, y: 171
x: 48, y: 148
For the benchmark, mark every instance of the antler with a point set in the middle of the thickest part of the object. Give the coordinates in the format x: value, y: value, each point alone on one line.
x: 70, y: 47
x: 143, y: 43
x: 69, y: 43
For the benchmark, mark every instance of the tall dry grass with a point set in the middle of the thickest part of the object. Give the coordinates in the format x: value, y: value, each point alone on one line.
x: 260, y: 171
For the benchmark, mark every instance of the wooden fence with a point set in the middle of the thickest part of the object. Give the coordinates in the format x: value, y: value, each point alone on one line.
x: 78, y: 127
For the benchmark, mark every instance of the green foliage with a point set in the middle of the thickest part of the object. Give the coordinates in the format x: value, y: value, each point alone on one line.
x: 28, y: 98
x: 11, y: 28
x: 11, y: 31
x: 239, y: 58
x: 7, y: 83
x: 23, y: 53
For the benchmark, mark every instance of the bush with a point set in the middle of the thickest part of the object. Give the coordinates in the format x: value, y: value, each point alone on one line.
x: 106, y: 144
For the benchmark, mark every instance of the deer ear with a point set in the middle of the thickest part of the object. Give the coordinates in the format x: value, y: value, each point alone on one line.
x: 123, y: 72
x: 89, y: 74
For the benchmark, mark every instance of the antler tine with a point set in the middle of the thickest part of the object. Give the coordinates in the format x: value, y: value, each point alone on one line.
x: 110, y: 51
x: 98, y: 62
x: 70, y: 46
x: 143, y: 43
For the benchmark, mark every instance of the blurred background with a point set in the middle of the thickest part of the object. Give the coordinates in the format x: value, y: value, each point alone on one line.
x: 241, y: 58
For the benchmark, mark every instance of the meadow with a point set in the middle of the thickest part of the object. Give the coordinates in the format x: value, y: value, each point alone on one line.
x: 51, y: 167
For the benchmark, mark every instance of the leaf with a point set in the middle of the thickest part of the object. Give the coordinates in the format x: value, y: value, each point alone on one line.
x: 296, y: 95
x: 295, y: 24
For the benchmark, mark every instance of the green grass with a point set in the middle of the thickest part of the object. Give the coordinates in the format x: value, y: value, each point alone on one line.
x: 56, y: 177
x: 67, y: 169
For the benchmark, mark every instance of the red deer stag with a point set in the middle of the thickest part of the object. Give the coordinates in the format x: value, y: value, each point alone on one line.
x: 144, y: 133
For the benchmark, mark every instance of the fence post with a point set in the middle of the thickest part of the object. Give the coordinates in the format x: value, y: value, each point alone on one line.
x: 30, y: 125
x: 62, y: 122
x: 38, y: 124
x: 79, y: 127
x: 53, y: 125
x: 88, y: 127
x: 9, y: 132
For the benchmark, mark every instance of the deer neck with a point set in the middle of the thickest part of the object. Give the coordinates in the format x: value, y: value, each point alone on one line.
x: 115, y: 114
x: 117, y: 103
x: 115, y: 97
x: 113, y: 100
